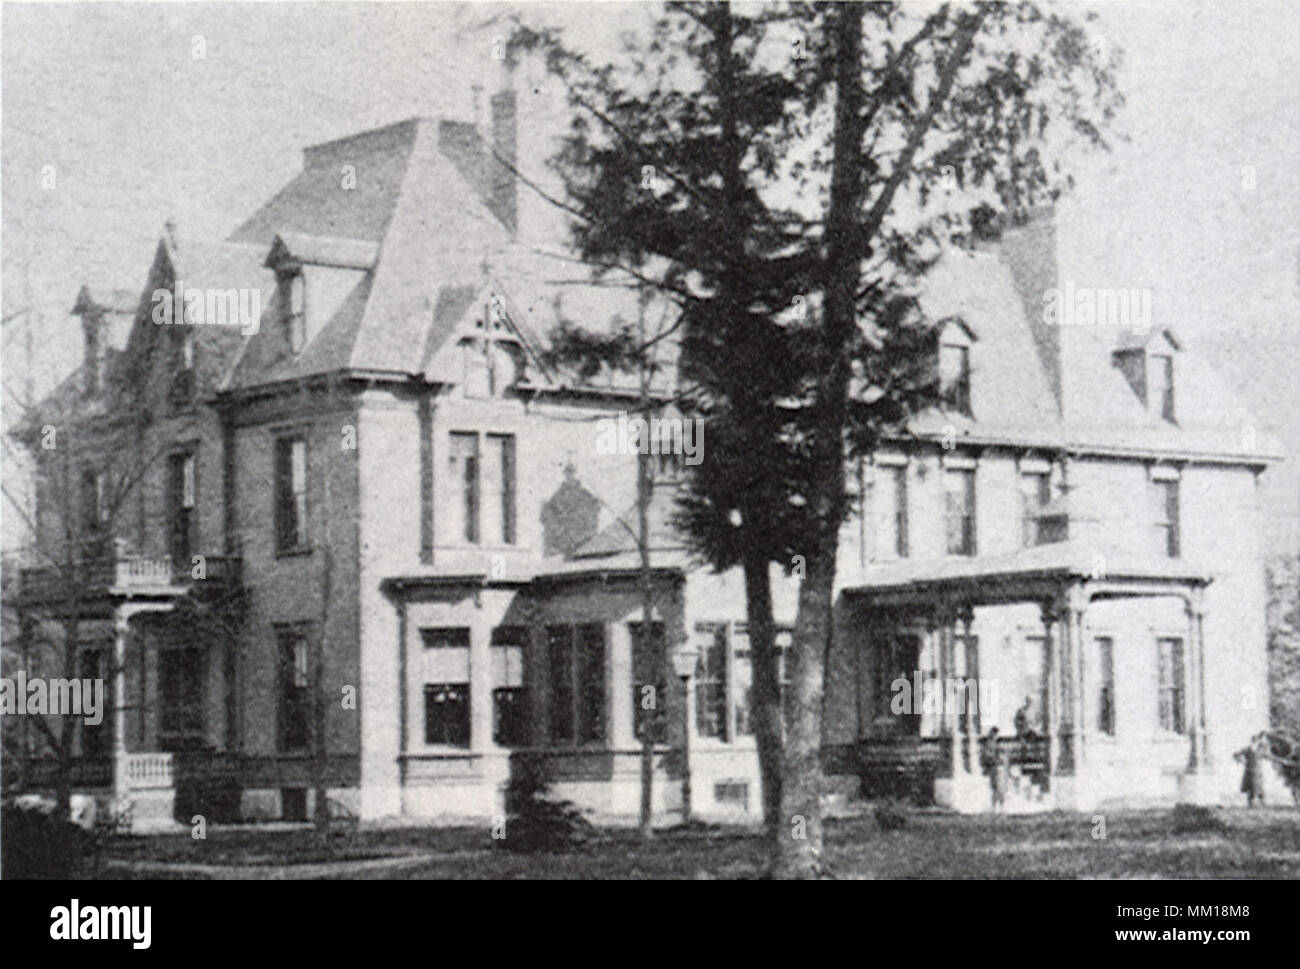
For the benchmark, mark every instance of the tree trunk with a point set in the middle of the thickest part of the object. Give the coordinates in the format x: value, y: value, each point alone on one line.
x: 769, y: 733
x: 799, y: 852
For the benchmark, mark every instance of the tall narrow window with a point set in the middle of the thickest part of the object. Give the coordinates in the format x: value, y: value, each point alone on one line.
x: 95, y: 737
x: 295, y: 690
x: 181, y: 509
x: 499, y: 489
x: 95, y: 511
x: 464, y: 461
x: 1161, y: 376
x: 649, y: 683
x: 1169, y: 539
x: 899, y: 476
x: 954, y: 377
x: 293, y: 300
x: 290, y: 494
x: 576, y: 660
x: 1106, y: 685
x: 509, y: 696
x: 711, y: 681
x: 959, y: 496
x: 1170, y: 685
x: 889, y: 493
x: 93, y: 364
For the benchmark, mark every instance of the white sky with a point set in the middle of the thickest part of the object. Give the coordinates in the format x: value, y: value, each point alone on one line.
x: 139, y: 131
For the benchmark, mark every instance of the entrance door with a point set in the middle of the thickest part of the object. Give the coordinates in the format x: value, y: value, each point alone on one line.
x: 898, y: 657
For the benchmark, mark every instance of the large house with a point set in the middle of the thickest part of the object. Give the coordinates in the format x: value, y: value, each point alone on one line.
x: 365, y: 535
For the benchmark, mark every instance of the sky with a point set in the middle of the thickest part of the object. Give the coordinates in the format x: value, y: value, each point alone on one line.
x: 1201, y: 204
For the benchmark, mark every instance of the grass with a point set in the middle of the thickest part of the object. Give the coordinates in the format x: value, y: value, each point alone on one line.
x: 1137, y: 844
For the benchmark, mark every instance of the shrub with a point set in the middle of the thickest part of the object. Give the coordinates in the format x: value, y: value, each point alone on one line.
x: 34, y: 843
x: 1194, y: 819
x: 533, y: 821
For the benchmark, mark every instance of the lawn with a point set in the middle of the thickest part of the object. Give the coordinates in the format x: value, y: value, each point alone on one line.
x: 1137, y: 844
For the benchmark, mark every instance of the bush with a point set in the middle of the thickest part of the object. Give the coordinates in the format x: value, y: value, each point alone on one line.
x: 34, y: 843
x: 1195, y: 819
x: 533, y: 821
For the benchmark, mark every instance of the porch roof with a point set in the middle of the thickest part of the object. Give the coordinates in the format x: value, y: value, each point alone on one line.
x: 1023, y: 575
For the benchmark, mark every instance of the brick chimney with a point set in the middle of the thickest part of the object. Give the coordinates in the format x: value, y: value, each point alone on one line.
x: 504, y: 142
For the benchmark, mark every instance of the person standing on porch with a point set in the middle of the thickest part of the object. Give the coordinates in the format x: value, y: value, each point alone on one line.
x: 998, y: 764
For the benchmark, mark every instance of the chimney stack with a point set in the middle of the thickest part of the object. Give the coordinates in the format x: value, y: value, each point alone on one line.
x: 505, y: 148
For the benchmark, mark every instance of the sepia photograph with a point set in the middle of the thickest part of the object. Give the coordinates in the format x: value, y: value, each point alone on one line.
x: 637, y: 441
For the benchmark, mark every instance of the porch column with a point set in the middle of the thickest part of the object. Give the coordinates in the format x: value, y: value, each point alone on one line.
x: 970, y: 672
x: 1077, y: 602
x: 1200, y: 752
x: 947, y: 670
x: 121, y: 629
x: 1051, y: 714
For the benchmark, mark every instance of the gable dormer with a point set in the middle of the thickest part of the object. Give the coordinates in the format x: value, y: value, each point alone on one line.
x: 314, y: 275
x: 477, y: 342
x: 955, y: 342
x: 1149, y: 363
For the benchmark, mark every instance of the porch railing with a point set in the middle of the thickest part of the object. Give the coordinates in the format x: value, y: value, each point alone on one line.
x: 148, y: 771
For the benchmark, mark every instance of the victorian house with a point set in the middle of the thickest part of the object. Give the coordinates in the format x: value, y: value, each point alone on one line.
x: 367, y: 539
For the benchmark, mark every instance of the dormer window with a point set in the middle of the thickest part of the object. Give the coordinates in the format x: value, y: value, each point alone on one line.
x: 954, y: 367
x: 1160, y: 382
x: 293, y: 300
x: 95, y: 359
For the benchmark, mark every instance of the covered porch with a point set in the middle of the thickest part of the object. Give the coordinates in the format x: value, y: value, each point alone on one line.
x: 138, y: 625
x: 1035, y: 675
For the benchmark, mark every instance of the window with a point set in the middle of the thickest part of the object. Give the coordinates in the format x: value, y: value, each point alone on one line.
x: 509, y: 696
x: 1170, y: 686
x: 711, y: 719
x: 724, y: 679
x: 1168, y: 539
x: 891, y: 516
x: 295, y: 690
x: 95, y: 739
x: 180, y: 684
x: 95, y: 359
x: 181, y: 501
x: 1043, y: 520
x: 1105, y: 685
x: 1161, y: 391
x: 649, y: 683
x: 293, y: 300
x: 897, y: 656
x: 481, y: 479
x: 499, y: 484
x: 464, y: 479
x: 954, y: 377
x: 959, y: 496
x: 445, y: 637
x: 784, y: 648
x: 446, y: 714
x: 576, y: 665
x: 290, y: 494
x: 94, y: 500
